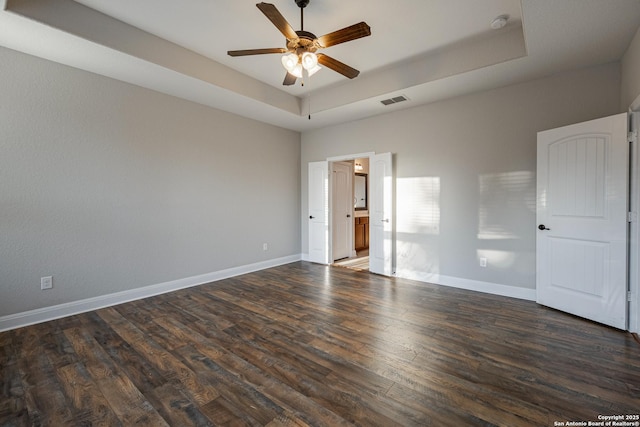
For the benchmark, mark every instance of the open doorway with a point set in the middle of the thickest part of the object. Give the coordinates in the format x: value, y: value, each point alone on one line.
x: 350, y: 213
x: 380, y: 208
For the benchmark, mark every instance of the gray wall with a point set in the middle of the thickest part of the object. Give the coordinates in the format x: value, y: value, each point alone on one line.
x: 110, y: 187
x: 630, y: 85
x: 466, y: 170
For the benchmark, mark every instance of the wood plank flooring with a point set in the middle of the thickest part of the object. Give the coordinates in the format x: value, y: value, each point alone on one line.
x: 310, y: 345
x: 360, y: 263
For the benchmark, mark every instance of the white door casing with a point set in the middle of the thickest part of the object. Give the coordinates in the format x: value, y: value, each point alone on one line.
x: 582, y: 198
x: 318, y: 212
x: 381, y: 214
x: 634, y: 225
x: 341, y: 210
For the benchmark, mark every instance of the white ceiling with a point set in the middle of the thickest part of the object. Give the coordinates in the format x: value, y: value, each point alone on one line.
x: 425, y: 50
x: 398, y: 27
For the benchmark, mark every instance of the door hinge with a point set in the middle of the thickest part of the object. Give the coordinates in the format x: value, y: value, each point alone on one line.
x: 629, y: 296
x: 632, y: 216
x: 632, y: 136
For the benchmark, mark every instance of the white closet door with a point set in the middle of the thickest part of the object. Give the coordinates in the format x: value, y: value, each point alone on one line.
x: 582, y: 193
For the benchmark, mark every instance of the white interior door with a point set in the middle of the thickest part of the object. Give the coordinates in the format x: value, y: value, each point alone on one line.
x: 582, y: 219
x: 318, y: 212
x: 341, y: 209
x: 380, y: 214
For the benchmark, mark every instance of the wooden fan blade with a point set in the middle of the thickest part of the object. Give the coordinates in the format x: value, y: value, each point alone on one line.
x: 353, y: 32
x: 289, y: 79
x: 337, y: 66
x: 256, y: 51
x: 271, y: 12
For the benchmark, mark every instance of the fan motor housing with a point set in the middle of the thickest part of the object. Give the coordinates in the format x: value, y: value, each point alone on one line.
x: 305, y: 41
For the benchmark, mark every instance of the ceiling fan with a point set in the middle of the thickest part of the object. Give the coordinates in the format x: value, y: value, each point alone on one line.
x: 302, y: 45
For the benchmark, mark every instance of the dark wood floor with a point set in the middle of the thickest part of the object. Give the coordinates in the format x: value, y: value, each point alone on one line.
x: 305, y: 344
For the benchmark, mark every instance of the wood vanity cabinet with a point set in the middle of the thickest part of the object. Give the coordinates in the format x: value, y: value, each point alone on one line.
x: 362, y: 232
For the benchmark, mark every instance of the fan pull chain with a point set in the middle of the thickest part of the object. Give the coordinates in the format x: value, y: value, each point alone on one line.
x: 308, y: 96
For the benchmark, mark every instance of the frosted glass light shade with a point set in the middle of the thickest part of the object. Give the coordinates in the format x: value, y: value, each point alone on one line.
x: 309, y: 60
x: 314, y: 70
x: 297, y: 71
x: 294, y: 64
x: 289, y: 62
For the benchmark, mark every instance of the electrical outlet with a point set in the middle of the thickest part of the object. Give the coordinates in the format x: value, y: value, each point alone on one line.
x: 483, y: 262
x: 265, y: 246
x: 46, y: 282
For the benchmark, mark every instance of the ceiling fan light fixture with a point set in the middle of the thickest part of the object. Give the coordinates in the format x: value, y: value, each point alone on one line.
x: 309, y: 60
x: 295, y: 64
x: 289, y: 62
x: 299, y: 57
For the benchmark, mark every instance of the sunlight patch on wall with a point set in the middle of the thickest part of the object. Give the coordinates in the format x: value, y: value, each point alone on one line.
x: 418, y: 205
x: 418, y: 224
x: 503, y: 199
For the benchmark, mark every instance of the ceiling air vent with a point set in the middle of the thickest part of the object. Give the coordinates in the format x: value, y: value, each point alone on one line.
x: 394, y: 100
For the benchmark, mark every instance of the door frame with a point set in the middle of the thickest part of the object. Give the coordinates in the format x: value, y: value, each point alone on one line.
x: 634, y: 225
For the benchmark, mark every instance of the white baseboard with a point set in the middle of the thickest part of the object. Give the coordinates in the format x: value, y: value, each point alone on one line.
x: 45, y: 314
x: 471, y: 285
